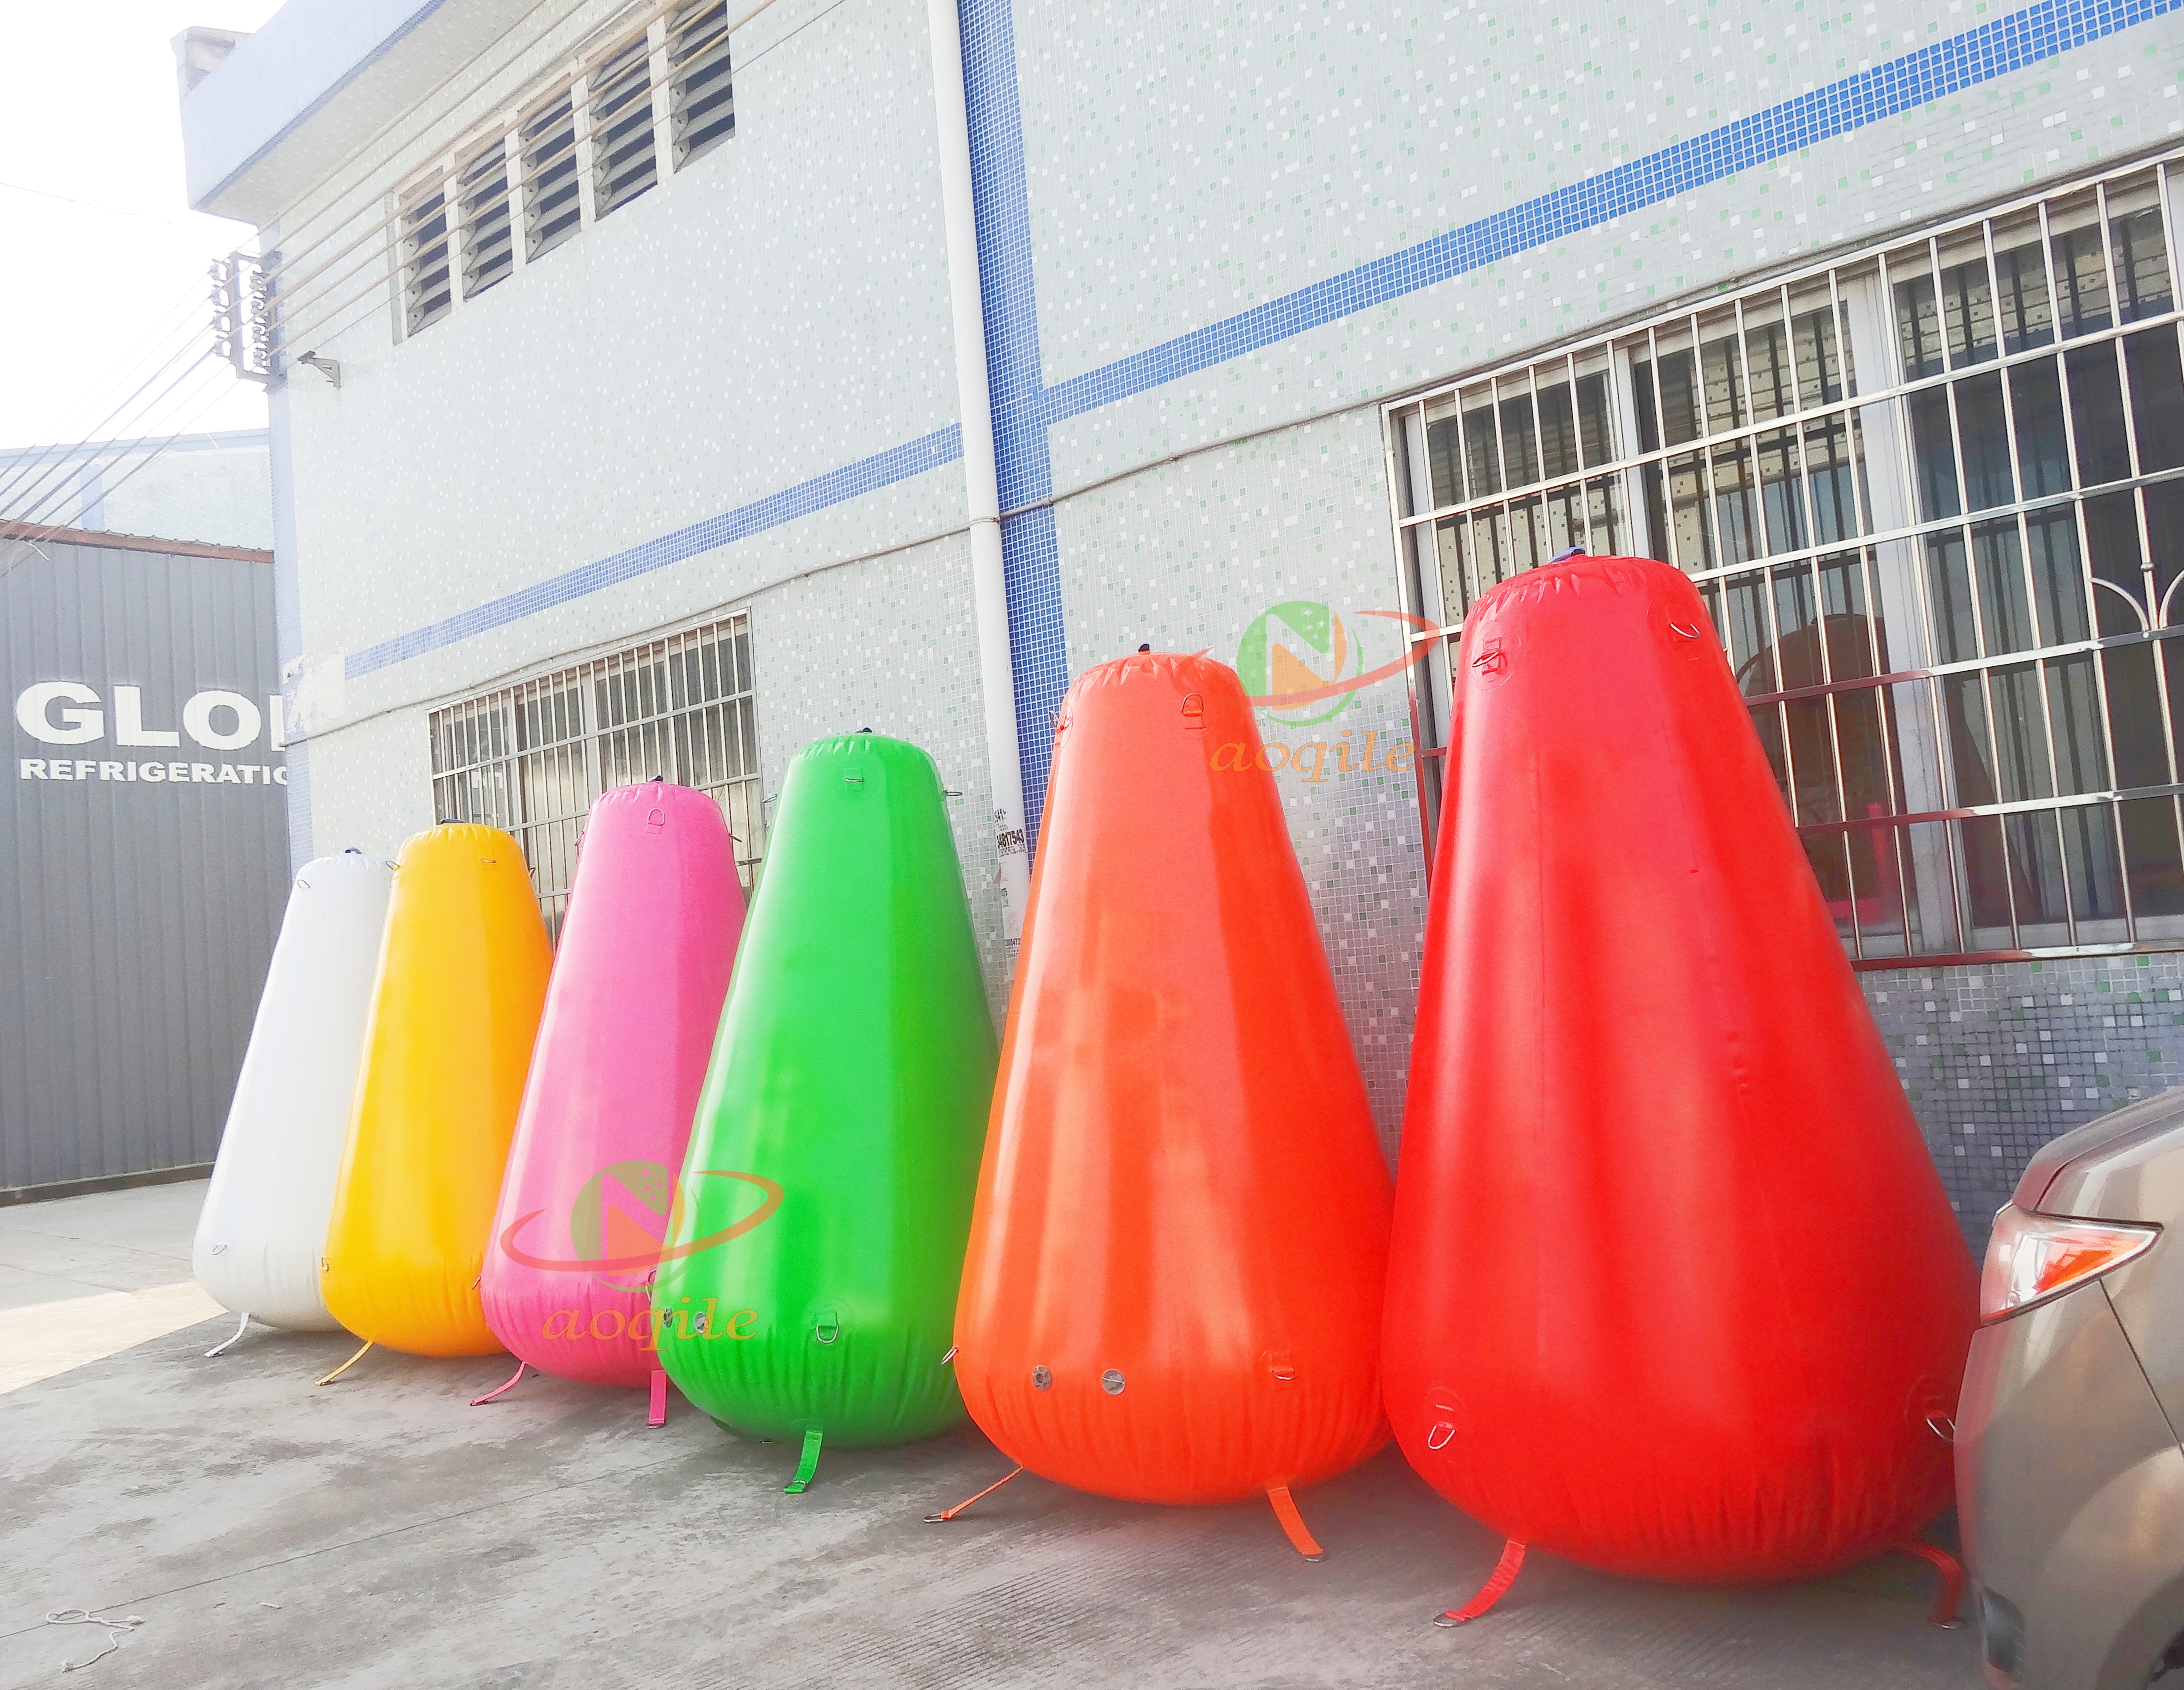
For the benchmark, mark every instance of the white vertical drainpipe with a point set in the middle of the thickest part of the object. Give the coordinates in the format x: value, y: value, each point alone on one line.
x: 989, y: 585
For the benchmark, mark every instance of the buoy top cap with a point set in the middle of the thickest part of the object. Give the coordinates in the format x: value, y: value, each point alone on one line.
x: 349, y: 861
x: 866, y: 748
x: 456, y: 836
x: 1178, y: 671
x: 1169, y: 674
x: 655, y: 794
x: 1646, y: 575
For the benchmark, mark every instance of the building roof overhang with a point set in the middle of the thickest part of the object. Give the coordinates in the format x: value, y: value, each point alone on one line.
x: 306, y: 93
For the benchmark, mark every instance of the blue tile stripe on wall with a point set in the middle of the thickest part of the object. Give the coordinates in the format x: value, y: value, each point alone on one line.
x: 1024, y: 408
x: 1948, y: 67
x: 1031, y: 556
x: 867, y: 475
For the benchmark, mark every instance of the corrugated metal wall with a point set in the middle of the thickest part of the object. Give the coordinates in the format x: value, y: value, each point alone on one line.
x: 137, y: 913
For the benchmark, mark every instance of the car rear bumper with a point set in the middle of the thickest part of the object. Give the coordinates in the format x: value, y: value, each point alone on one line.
x: 2070, y: 1491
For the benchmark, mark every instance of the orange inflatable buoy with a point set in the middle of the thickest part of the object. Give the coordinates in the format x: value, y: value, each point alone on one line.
x: 1674, y: 1291
x: 462, y: 980
x: 1173, y: 1288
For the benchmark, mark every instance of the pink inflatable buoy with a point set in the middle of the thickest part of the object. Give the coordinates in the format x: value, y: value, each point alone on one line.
x: 590, y: 1194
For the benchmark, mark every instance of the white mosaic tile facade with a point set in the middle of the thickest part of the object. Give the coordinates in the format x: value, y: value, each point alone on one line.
x: 1186, y: 556
x: 779, y: 310
x: 1998, y: 1059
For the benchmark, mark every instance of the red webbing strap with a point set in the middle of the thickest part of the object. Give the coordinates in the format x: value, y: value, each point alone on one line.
x: 1285, y: 1511
x: 1495, y: 1587
x: 656, y: 1415
x: 513, y: 1379
x: 1952, y: 1580
x: 967, y: 1502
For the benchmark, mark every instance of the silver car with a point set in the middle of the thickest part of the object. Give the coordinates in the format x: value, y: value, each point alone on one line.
x: 2069, y: 1475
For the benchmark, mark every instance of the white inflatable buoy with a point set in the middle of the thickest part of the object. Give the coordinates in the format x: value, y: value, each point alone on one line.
x: 264, y: 1225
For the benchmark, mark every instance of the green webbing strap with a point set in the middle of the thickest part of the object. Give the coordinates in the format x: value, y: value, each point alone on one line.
x: 807, y: 1464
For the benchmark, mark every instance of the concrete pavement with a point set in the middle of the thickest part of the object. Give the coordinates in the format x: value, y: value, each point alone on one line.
x: 378, y: 1532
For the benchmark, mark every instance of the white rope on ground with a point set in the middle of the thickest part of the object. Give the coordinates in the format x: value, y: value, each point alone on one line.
x: 242, y: 1326
x: 116, y: 1630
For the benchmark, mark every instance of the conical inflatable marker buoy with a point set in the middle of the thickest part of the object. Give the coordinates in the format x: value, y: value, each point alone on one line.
x: 1173, y: 1290
x: 1674, y: 1288
x: 592, y: 1189
x: 264, y: 1225
x: 849, y: 1086
x: 462, y: 977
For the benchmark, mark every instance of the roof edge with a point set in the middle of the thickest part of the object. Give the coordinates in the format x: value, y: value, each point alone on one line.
x: 37, y: 533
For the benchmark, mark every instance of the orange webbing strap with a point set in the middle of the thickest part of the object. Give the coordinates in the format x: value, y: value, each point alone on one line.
x: 514, y: 1379
x: 1952, y: 1580
x: 1495, y: 1587
x: 1299, y: 1536
x: 346, y: 1365
x: 967, y: 1502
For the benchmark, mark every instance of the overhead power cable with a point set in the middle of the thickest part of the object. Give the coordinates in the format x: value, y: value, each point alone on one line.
x: 182, y: 319
x: 211, y: 396
x: 34, y: 503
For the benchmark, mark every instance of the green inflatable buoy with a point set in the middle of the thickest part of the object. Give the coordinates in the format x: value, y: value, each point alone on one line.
x: 834, y: 1157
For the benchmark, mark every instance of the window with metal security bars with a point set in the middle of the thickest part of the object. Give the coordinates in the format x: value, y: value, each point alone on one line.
x: 532, y: 758
x: 488, y: 239
x: 427, y: 287
x: 624, y: 162
x: 553, y: 204
x: 1933, y: 497
x: 701, y: 100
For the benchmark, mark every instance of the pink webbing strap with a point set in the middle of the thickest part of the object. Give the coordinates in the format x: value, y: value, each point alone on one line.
x: 1952, y: 1580
x: 513, y: 1379
x: 1495, y: 1587
x: 656, y: 1415
x: 967, y: 1502
x: 1299, y: 1536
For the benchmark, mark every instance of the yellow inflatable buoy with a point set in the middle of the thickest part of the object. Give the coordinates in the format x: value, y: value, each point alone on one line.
x: 462, y: 980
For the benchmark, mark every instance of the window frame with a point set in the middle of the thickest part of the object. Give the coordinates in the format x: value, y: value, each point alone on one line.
x: 1905, y: 698
x: 532, y: 757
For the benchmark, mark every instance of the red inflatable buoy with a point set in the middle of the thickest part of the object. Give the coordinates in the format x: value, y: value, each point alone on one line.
x: 1174, y: 1283
x: 1674, y: 1289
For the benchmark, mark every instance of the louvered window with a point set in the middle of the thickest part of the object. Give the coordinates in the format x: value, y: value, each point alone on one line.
x: 701, y: 103
x: 624, y: 161
x: 551, y: 206
x: 489, y: 250
x: 425, y: 294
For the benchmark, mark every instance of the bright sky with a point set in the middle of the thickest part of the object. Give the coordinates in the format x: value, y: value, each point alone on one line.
x: 107, y: 263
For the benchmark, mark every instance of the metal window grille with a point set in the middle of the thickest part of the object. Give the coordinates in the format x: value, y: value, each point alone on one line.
x: 426, y: 290
x: 552, y: 204
x: 701, y: 100
x: 532, y: 758
x: 1933, y: 497
x: 624, y: 162
x: 489, y: 238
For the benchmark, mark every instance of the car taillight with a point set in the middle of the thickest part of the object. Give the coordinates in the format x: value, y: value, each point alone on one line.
x: 2034, y: 1257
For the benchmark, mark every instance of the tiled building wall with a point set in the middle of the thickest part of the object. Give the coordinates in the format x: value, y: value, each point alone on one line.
x: 1189, y: 556
x: 763, y: 321
x: 1202, y: 221
x: 1243, y: 213
x: 1998, y: 1059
